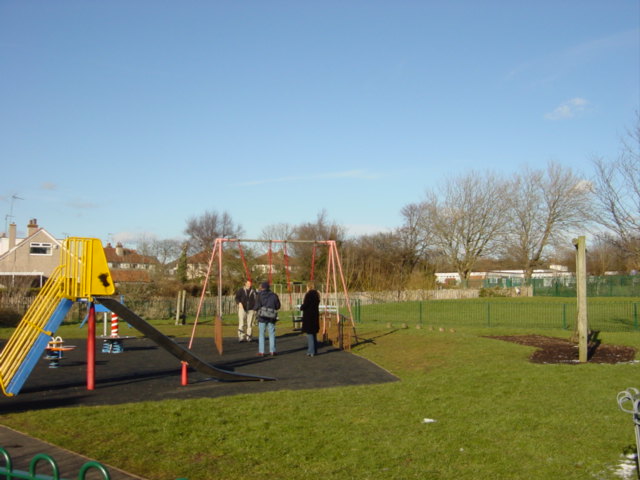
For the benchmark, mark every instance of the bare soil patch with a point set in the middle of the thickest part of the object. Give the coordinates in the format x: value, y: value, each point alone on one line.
x: 559, y: 350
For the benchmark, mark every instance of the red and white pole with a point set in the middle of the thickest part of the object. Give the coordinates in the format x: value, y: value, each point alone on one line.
x: 114, y: 325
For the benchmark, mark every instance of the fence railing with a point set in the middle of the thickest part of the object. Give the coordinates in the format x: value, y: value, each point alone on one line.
x: 604, y: 316
x: 8, y: 472
x: 90, y: 468
x: 488, y: 312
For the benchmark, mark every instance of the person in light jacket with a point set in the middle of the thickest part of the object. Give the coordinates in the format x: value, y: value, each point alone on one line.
x: 246, y: 298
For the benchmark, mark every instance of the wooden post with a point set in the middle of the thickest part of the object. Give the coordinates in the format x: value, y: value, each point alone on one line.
x: 582, y: 323
x: 181, y: 307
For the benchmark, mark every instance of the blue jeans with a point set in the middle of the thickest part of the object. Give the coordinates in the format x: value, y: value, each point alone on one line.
x: 311, y: 344
x: 271, y: 327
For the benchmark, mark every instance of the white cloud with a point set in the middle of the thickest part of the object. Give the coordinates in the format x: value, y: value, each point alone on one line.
x: 568, y: 109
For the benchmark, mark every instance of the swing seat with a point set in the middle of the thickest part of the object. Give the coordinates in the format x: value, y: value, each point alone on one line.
x: 297, y: 319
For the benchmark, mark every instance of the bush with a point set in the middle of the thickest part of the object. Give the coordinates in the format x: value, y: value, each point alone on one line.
x: 494, y: 292
x: 9, y: 317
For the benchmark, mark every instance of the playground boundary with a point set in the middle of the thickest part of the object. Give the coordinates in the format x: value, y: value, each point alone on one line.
x: 22, y: 448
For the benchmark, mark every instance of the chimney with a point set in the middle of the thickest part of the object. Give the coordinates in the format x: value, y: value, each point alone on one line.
x: 119, y: 249
x: 32, y: 227
x: 12, y: 235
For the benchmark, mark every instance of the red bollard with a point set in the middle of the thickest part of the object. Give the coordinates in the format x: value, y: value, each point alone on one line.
x: 185, y: 376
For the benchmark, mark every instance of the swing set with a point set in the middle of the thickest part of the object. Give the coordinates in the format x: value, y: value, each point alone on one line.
x: 337, y: 328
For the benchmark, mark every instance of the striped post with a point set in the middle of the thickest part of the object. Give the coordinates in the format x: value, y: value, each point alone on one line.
x: 114, y: 325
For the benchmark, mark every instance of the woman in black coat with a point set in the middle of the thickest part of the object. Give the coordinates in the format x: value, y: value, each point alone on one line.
x: 311, y: 318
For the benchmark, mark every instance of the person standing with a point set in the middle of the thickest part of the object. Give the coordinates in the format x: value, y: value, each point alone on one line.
x: 267, y: 306
x: 311, y: 318
x: 246, y: 298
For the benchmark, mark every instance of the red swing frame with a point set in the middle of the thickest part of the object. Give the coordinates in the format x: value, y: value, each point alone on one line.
x: 334, y: 270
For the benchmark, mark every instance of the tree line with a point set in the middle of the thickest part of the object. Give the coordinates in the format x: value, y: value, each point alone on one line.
x: 471, y: 222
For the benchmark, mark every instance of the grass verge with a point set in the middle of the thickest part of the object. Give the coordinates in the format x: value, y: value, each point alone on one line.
x: 497, y: 416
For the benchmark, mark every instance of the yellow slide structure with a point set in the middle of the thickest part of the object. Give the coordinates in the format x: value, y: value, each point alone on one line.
x: 82, y: 273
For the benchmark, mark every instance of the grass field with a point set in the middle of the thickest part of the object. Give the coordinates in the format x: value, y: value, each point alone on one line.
x: 497, y: 416
x: 605, y: 314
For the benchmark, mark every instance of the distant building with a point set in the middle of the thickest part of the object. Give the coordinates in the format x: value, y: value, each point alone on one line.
x: 33, y: 257
x: 128, y: 266
x: 511, y: 277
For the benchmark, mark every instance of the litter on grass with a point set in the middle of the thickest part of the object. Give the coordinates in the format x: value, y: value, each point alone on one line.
x: 428, y: 420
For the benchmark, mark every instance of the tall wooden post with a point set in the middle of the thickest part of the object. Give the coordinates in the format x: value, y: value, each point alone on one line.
x: 582, y: 323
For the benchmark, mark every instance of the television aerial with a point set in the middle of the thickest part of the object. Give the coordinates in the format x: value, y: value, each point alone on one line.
x: 14, y: 197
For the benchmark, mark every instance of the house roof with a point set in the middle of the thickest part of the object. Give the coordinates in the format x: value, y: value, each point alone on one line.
x: 127, y: 255
x: 21, y: 243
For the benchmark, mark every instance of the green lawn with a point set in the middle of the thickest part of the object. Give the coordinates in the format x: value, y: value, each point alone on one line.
x: 497, y: 416
x: 606, y: 314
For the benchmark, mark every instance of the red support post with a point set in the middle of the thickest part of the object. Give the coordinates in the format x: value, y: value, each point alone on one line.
x: 91, y: 348
x: 184, y: 378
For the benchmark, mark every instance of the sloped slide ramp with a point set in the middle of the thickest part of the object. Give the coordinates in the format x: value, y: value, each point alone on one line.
x: 172, y: 347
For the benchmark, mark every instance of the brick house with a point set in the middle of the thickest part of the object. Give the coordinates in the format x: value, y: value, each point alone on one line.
x: 32, y: 258
x: 128, y: 266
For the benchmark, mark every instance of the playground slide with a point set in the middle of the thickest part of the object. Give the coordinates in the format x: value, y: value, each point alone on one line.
x: 170, y: 346
x: 26, y: 346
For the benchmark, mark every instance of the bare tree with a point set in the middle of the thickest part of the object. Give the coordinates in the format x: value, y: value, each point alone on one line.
x: 321, y: 229
x: 463, y: 219
x: 203, y: 230
x: 543, y: 206
x: 278, y: 231
x: 372, y: 262
x: 617, y: 191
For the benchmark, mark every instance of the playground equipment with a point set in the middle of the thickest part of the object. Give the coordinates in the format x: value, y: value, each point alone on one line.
x: 113, y: 343
x: 9, y: 472
x: 82, y: 274
x: 629, y: 402
x: 333, y: 322
x: 55, y: 351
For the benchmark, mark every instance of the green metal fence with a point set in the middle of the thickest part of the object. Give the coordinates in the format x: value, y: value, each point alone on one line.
x: 604, y: 316
x: 597, y: 286
x: 8, y: 472
x: 603, y: 286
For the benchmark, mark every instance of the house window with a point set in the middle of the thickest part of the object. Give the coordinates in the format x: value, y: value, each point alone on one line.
x: 36, y: 248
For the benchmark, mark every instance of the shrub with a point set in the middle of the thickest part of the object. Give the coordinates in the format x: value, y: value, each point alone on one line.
x: 9, y: 317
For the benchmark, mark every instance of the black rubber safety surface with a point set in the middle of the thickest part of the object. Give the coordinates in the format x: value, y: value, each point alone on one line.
x: 146, y: 372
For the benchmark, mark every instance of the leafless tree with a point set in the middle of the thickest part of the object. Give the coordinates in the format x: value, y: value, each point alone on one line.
x: 463, y: 218
x: 617, y: 192
x: 321, y: 229
x: 371, y: 262
x: 164, y: 250
x: 543, y: 207
x: 278, y: 231
x: 203, y: 230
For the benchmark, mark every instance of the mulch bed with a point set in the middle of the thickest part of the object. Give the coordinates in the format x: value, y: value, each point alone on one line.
x: 559, y: 350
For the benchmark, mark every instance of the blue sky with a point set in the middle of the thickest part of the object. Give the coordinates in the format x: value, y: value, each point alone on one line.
x: 122, y: 119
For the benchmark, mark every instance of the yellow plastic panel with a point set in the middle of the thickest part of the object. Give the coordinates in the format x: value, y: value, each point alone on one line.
x: 85, y: 269
x: 101, y: 281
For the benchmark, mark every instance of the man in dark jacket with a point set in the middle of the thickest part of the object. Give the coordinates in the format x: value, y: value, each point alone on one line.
x: 246, y: 298
x: 267, y: 306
